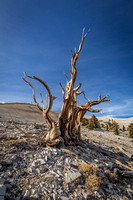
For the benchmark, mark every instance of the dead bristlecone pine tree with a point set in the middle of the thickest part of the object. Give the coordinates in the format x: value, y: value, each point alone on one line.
x: 67, y: 128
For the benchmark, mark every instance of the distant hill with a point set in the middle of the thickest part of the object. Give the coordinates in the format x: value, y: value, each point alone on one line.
x: 121, y: 122
x: 29, y: 112
x: 23, y: 111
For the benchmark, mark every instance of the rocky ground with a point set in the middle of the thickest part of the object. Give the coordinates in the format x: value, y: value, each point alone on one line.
x: 100, y: 167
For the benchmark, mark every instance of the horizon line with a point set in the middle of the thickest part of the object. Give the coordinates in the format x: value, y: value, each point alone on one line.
x: 109, y: 116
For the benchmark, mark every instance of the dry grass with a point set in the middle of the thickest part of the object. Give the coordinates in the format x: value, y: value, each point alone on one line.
x: 15, y: 142
x: 113, y: 177
x: 92, y: 179
x: 84, y: 167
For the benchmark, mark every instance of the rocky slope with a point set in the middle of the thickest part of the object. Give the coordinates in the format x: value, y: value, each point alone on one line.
x: 100, y: 167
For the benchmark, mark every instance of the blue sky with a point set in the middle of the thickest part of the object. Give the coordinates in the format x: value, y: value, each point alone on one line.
x: 36, y: 36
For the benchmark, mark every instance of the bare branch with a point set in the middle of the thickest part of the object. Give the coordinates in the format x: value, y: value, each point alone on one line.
x: 45, y: 112
x: 42, y: 141
x: 99, y: 98
x: 63, y: 91
x: 81, y: 92
x: 92, y: 103
x: 83, y: 32
x: 42, y: 101
x: 33, y: 89
x: 77, y: 88
x: 54, y: 97
x: 75, y: 57
x: 66, y: 77
x: 71, y: 73
x: 103, y: 99
x: 87, y: 33
x: 89, y: 104
x: 71, y: 53
x: 90, y: 109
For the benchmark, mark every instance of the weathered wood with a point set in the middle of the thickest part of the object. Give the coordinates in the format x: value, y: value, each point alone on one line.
x: 67, y: 128
x: 128, y: 174
x: 125, y: 166
x: 124, y: 152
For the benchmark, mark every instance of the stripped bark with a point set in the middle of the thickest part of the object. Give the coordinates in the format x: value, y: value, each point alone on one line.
x: 67, y: 128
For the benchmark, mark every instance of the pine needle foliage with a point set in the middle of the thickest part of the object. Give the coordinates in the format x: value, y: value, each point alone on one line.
x: 85, y: 122
x: 116, y: 131
x: 130, y: 129
x: 112, y: 125
x: 93, y: 123
x: 123, y: 128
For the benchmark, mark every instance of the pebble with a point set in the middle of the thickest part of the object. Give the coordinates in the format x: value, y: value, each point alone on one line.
x: 2, y: 189
x: 6, y: 162
x: 64, y: 198
x: 72, y: 175
x: 85, y: 195
x: 26, y: 193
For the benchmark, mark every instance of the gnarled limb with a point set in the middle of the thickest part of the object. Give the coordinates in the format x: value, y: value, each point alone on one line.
x: 54, y: 133
x: 69, y: 99
x: 40, y: 140
x: 33, y: 89
x: 68, y: 125
x: 80, y: 111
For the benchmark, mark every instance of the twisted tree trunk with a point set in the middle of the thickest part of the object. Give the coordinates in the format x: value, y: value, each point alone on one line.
x: 67, y: 128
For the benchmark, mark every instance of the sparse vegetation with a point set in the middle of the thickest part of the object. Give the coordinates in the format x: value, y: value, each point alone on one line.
x: 36, y: 126
x: 130, y: 129
x: 112, y: 125
x: 113, y: 177
x: 93, y: 123
x: 116, y: 131
x: 85, y: 122
x: 92, y: 178
x: 107, y: 128
x: 123, y: 128
x: 102, y: 125
x: 108, y: 125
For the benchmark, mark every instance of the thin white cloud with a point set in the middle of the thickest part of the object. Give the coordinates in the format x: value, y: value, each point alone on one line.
x: 2, y: 102
x: 121, y: 115
x: 123, y: 109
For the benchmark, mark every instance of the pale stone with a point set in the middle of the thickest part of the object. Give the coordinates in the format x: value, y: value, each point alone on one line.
x: 2, y: 189
x: 71, y: 175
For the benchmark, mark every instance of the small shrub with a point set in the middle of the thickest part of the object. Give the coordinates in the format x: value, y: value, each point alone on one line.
x: 123, y: 128
x: 130, y: 129
x: 36, y: 126
x: 112, y: 125
x: 93, y: 123
x: 102, y: 125
x: 84, y: 167
x: 116, y: 131
x: 107, y: 127
x: 92, y: 179
x: 113, y: 177
x: 85, y: 122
